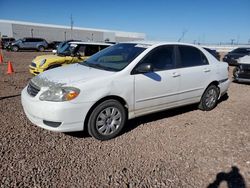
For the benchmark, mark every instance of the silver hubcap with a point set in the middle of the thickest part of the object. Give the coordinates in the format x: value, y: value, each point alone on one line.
x: 211, y: 98
x: 108, y: 121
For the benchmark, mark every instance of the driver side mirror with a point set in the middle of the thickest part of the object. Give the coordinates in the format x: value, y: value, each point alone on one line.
x: 144, y: 68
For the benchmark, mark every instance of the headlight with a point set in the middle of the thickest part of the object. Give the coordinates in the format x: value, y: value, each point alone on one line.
x: 60, y: 94
x: 42, y: 62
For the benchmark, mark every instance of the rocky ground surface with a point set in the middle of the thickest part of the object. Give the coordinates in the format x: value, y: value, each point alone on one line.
x: 184, y: 147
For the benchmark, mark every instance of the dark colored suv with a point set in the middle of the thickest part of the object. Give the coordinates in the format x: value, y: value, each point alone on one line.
x: 29, y: 44
x: 231, y: 57
x: 6, y: 41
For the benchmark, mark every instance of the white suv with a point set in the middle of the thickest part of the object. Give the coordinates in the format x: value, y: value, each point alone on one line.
x: 121, y: 82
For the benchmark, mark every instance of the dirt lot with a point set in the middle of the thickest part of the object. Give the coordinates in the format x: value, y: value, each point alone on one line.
x: 184, y: 147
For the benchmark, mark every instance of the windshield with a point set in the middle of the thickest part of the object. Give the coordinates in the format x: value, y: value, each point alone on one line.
x: 65, y: 48
x: 114, y: 58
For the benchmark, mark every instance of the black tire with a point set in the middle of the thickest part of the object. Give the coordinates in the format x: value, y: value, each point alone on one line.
x: 15, y: 48
x: 209, y: 98
x: 107, y: 120
x: 41, y: 48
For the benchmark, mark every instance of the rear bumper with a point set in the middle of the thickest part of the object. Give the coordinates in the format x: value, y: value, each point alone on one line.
x: 224, y: 85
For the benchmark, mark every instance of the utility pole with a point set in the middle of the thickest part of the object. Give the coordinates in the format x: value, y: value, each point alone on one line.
x: 232, y: 41
x: 32, y: 32
x: 182, y: 35
x: 71, y: 26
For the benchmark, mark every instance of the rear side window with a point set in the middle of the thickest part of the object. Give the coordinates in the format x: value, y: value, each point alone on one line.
x: 91, y: 49
x: 103, y: 46
x: 191, y: 56
x: 161, y: 58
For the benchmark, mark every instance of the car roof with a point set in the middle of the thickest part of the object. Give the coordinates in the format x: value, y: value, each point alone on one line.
x: 91, y: 43
x: 159, y: 43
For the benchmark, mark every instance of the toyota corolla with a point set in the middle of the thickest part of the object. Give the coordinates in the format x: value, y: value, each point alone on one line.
x: 122, y: 82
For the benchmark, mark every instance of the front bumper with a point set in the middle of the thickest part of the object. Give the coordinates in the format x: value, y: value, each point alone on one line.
x: 242, y: 77
x: 70, y: 115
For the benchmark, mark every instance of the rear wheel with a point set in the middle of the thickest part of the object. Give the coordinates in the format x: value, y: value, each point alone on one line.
x: 14, y: 48
x: 209, y: 98
x: 41, y: 48
x: 107, y: 120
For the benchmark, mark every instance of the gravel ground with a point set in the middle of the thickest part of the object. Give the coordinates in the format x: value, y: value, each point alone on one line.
x: 184, y: 147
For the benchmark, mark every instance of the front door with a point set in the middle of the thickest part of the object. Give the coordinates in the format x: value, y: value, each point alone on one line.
x: 158, y: 89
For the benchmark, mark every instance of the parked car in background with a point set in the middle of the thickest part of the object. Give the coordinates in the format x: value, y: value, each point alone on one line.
x: 213, y: 52
x: 68, y: 53
x: 122, y: 82
x: 241, y: 72
x: 54, y: 44
x: 61, y: 44
x: 29, y: 44
x: 6, y: 41
x: 231, y: 57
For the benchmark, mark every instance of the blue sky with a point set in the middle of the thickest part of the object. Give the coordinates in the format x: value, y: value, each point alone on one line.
x: 206, y: 21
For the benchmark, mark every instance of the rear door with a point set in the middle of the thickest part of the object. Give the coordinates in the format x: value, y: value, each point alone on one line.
x: 195, y: 73
x: 158, y: 89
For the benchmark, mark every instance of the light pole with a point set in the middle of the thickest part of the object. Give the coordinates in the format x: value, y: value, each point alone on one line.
x: 32, y: 32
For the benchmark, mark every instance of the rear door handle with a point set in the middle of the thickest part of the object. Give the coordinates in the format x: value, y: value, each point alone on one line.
x: 207, y: 70
x: 176, y: 74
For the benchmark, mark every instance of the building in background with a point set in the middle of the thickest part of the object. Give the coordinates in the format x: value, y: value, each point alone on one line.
x: 19, y: 29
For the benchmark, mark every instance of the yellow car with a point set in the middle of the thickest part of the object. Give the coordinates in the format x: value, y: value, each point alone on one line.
x: 68, y: 53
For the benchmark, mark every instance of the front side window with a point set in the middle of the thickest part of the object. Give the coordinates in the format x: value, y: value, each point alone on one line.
x: 161, y: 58
x: 191, y: 56
x: 114, y: 58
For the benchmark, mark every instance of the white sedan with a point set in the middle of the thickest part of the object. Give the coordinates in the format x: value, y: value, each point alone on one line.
x: 122, y: 82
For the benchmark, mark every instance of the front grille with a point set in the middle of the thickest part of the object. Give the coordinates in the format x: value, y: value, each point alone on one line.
x: 32, y: 89
x: 33, y: 64
x: 245, y: 75
x: 245, y: 68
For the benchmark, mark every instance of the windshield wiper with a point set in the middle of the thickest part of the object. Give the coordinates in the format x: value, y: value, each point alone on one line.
x: 98, y: 66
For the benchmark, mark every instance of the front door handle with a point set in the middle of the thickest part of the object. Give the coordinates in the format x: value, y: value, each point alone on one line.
x: 176, y: 74
x: 207, y: 70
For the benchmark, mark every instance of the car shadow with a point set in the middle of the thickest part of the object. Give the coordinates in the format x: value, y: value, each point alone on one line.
x: 134, y: 123
x: 233, y: 179
x: 10, y: 96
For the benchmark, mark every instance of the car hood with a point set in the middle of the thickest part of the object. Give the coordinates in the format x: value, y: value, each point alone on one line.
x: 69, y: 74
x: 244, y: 60
x: 48, y: 57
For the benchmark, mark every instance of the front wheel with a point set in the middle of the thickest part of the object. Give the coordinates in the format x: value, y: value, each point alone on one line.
x: 107, y: 120
x: 209, y: 98
x: 14, y: 48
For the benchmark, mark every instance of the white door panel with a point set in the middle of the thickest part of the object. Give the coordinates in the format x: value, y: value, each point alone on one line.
x: 156, y: 90
x: 193, y: 81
